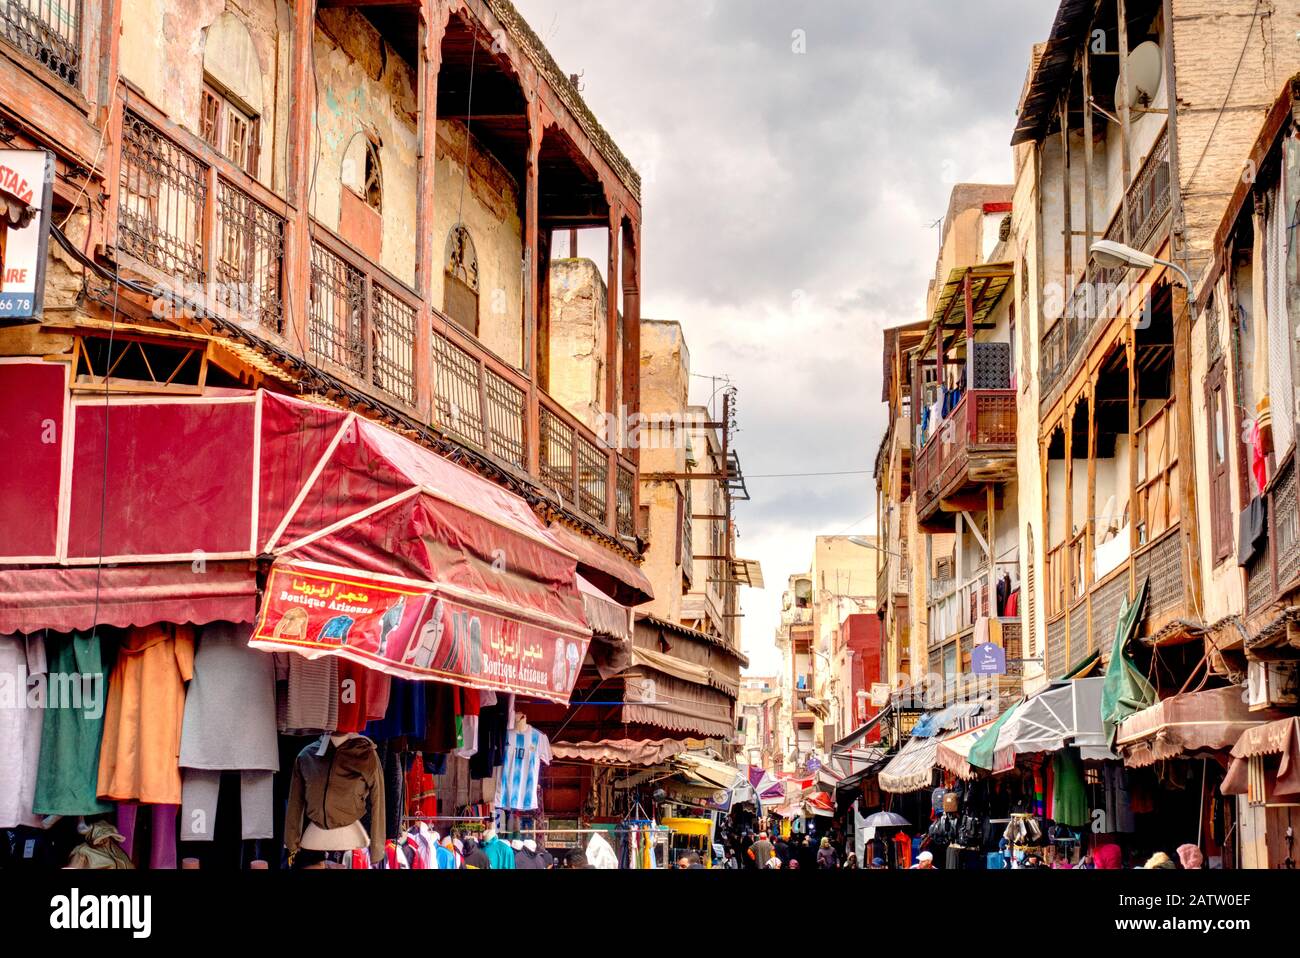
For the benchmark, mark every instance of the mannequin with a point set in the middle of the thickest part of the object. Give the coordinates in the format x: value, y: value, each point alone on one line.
x: 336, y: 782
x: 345, y: 837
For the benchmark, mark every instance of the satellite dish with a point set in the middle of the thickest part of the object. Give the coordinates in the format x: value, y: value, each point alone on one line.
x: 1144, y: 75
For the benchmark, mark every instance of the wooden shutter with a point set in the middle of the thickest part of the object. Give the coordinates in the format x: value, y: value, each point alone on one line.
x: 1219, y: 429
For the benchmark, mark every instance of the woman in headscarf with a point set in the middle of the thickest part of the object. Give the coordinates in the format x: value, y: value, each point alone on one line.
x: 1190, y: 856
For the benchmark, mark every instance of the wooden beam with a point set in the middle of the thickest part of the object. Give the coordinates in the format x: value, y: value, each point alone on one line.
x: 302, y: 107
x: 428, y: 259
x: 1126, y: 173
x: 1086, y: 59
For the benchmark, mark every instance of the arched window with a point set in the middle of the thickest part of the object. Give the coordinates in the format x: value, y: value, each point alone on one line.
x: 230, y: 113
x: 362, y: 173
x: 460, y: 297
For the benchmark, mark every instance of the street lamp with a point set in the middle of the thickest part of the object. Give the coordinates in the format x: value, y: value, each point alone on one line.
x: 1112, y: 254
x: 868, y: 544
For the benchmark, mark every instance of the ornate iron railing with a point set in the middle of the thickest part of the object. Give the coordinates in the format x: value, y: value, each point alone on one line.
x: 48, y: 31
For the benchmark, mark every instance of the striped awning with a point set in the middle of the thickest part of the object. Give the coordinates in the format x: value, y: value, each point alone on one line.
x: 912, y: 769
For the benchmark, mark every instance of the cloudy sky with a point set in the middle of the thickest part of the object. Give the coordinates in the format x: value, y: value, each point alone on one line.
x: 794, y: 162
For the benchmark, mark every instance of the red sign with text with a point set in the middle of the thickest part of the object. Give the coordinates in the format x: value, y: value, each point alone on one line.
x: 413, y: 632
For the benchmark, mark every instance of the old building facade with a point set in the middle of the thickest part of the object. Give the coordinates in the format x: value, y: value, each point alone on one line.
x: 1120, y: 424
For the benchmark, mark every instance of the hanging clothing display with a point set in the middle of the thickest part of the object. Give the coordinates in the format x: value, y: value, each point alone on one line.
x: 307, y: 694
x: 421, y: 798
x: 229, y: 725
x: 467, y: 723
x: 162, y: 831
x: 405, y: 713
x: 139, y: 757
x: 21, y: 659
x: 336, y: 789
x: 68, y: 771
x: 499, y: 854
x: 1069, y: 797
x: 526, y: 750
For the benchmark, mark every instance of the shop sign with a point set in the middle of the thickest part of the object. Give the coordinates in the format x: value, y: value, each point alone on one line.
x: 26, y: 191
x: 988, y: 659
x: 409, y: 630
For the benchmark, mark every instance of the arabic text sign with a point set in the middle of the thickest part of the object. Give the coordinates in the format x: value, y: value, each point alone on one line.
x: 411, y: 632
x: 26, y: 185
x: 988, y: 659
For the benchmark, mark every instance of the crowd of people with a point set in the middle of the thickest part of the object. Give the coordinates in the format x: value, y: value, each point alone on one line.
x: 799, y: 851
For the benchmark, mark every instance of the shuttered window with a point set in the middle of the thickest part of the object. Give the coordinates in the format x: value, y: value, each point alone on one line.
x: 1218, y: 426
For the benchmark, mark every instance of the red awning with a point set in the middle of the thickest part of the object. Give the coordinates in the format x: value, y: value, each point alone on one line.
x: 613, y: 574
x: 71, y: 599
x: 342, y: 503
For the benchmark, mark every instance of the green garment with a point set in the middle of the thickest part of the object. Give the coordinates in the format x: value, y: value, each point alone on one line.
x: 499, y: 853
x: 1126, y: 690
x: 67, y: 777
x: 1069, y: 800
x: 982, y: 752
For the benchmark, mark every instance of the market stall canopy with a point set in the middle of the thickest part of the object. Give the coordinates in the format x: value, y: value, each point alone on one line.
x: 716, y: 773
x: 613, y: 574
x: 622, y: 751
x: 1213, y: 720
x: 384, y: 552
x: 604, y: 616
x: 819, y: 803
x: 953, y: 754
x: 1281, y: 737
x: 912, y: 768
x: 1068, y: 713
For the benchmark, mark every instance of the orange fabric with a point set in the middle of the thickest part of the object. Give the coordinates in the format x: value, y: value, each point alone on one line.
x: 140, y: 753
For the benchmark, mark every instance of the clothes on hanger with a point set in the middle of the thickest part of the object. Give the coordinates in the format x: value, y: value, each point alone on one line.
x: 144, y: 714
x: 526, y: 751
x: 67, y: 773
x: 22, y: 661
x: 229, y: 725
x: 336, y: 789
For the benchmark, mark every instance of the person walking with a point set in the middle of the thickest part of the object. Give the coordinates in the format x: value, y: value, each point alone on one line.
x: 762, y: 851
x: 825, y: 854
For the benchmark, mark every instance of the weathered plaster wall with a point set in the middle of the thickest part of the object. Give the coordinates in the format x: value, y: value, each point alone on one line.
x: 1027, y: 292
x: 1222, y: 104
x: 362, y: 86
x: 488, y: 203
x: 162, y: 54
x: 665, y: 378
x: 577, y: 341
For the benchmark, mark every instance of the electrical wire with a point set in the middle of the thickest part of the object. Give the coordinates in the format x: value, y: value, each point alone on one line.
x: 803, y: 475
x: 1245, y: 44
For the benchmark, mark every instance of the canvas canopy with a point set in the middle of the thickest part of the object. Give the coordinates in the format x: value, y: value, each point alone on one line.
x: 1065, y: 714
x: 1190, y: 722
x: 1126, y: 689
x: 1280, y: 738
x: 382, y: 551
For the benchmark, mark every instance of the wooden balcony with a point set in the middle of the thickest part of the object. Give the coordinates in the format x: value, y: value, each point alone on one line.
x: 974, y: 445
x: 954, y: 608
x: 1094, y: 297
x: 1272, y: 573
x: 209, y: 237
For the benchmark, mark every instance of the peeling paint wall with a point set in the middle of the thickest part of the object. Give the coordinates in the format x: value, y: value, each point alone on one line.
x: 577, y: 340
x: 665, y: 378
x: 162, y: 54
x: 488, y: 203
x: 364, y: 88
